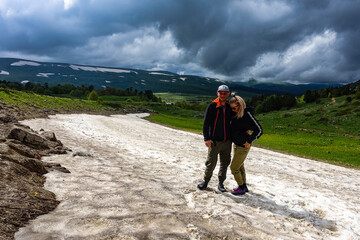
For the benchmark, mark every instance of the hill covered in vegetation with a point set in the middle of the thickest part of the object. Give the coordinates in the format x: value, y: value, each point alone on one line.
x: 52, y: 74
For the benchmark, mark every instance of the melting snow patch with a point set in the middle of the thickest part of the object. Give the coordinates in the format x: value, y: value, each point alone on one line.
x: 44, y: 74
x: 218, y: 80
x: 108, y: 81
x: 23, y: 63
x: 162, y: 80
x: 25, y: 82
x: 157, y: 73
x: 183, y: 78
x: 100, y: 69
x: 132, y: 156
x: 137, y: 115
x: 4, y: 72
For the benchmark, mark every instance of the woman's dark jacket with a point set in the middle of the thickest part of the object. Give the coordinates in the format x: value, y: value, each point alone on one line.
x: 217, y: 121
x: 240, y: 126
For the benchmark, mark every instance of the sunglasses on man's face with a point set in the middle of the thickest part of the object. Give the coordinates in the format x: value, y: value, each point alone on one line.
x: 222, y: 93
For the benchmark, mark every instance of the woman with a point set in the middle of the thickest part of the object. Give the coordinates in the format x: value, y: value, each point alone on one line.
x: 245, y: 129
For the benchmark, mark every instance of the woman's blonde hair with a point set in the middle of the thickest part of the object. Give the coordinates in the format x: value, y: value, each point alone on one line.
x: 240, y: 102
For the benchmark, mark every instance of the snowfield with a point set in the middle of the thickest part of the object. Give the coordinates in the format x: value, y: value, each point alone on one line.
x: 140, y: 183
x: 24, y: 63
x: 157, y: 73
x: 45, y: 74
x: 100, y: 69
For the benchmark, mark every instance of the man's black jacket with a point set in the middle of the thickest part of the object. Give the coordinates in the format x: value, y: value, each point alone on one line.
x: 217, y: 121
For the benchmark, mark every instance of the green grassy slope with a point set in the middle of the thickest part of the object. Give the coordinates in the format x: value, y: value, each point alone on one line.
x: 328, y: 131
x: 28, y: 100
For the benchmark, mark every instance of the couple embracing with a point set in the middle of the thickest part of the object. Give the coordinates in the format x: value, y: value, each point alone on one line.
x: 228, y: 122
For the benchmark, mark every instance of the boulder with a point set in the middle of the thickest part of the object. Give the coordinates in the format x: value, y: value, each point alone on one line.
x: 55, y: 166
x: 6, y: 118
x: 82, y: 154
x: 49, y: 136
x: 31, y: 164
x: 23, y: 149
x: 28, y: 137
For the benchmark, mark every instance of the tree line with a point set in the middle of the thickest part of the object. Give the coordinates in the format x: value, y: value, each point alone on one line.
x: 330, y: 92
x: 78, y: 91
x: 269, y: 103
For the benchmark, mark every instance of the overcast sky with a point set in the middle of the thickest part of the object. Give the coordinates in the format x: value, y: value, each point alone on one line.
x: 299, y: 41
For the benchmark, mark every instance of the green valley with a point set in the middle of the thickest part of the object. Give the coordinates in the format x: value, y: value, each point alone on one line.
x: 328, y: 130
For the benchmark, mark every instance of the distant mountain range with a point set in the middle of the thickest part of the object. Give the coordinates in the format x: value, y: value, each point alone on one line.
x: 23, y: 71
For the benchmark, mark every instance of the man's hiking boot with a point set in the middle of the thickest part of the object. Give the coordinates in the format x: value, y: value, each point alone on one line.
x: 202, y: 185
x: 221, y: 187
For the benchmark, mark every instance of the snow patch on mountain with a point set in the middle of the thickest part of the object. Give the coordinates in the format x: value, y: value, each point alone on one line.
x: 2, y: 72
x: 24, y: 63
x: 100, y: 69
x: 218, y: 80
x: 44, y: 74
x: 157, y: 73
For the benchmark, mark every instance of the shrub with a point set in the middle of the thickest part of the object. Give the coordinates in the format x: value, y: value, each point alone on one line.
x: 355, y: 103
x: 93, y: 96
x: 357, y: 95
x: 286, y: 115
x: 323, y: 120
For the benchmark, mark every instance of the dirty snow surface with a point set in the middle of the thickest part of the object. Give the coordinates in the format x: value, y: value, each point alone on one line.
x: 139, y: 182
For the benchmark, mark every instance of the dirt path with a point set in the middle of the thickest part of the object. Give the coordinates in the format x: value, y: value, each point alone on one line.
x: 140, y: 183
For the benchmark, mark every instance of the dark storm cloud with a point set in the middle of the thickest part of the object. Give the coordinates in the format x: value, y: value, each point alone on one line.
x: 303, y: 41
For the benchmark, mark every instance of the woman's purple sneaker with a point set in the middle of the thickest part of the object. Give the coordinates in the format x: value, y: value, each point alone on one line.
x: 239, y: 191
x: 242, y: 186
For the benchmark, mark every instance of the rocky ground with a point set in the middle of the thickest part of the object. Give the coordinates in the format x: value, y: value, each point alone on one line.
x: 22, y: 196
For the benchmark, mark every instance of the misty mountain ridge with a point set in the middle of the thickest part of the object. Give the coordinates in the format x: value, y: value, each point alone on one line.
x: 23, y: 71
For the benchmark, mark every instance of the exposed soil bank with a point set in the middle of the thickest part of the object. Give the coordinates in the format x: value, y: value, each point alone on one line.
x: 22, y: 196
x: 137, y: 180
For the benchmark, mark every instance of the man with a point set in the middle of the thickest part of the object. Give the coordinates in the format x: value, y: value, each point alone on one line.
x: 216, y: 131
